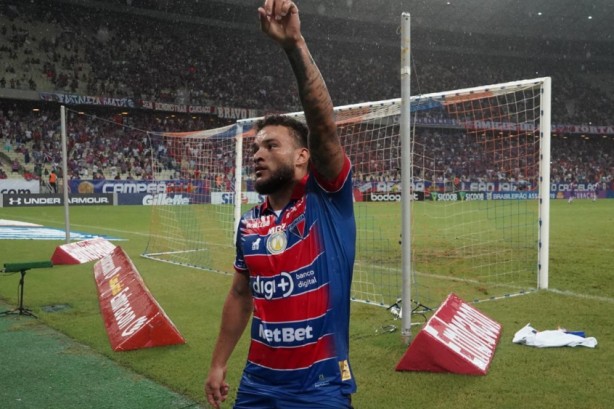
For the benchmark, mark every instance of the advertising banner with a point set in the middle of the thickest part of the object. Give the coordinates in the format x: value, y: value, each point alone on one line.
x: 19, y: 186
x: 50, y: 199
x: 229, y: 197
x: 132, y: 317
x: 173, y: 199
x: 457, y: 338
x: 82, y: 251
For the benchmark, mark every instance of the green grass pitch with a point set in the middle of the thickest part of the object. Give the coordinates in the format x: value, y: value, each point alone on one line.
x: 581, y: 297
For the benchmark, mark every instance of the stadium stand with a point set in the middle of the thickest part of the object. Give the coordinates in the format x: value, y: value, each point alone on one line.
x: 210, y: 59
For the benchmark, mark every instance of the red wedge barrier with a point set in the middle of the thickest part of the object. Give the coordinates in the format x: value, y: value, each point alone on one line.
x: 82, y: 251
x: 457, y: 338
x: 132, y: 317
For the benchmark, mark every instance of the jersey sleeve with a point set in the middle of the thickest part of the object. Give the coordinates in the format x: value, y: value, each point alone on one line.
x: 332, y: 186
x: 239, y: 264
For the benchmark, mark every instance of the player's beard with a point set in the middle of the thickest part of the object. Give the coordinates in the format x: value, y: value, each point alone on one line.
x: 282, y: 177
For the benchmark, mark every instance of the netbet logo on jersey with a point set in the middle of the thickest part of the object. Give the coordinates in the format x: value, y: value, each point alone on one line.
x: 285, y: 335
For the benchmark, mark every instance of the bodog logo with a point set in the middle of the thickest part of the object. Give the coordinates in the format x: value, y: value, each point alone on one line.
x: 385, y: 197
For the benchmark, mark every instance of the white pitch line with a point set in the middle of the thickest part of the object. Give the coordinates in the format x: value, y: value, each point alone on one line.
x: 56, y: 225
x: 584, y: 296
x: 85, y: 226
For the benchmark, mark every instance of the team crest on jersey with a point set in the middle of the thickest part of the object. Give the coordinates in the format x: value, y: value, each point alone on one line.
x: 277, y: 242
x: 297, y: 226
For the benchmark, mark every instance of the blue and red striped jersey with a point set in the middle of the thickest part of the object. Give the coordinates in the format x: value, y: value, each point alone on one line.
x: 300, y: 264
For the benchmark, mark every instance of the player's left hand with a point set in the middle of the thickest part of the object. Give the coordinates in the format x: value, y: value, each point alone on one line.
x: 216, y: 388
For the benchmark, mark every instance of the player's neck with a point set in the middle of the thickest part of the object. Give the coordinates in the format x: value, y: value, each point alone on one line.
x: 279, y: 199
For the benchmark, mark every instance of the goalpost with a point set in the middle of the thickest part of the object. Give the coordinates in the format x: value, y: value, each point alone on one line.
x: 473, y: 172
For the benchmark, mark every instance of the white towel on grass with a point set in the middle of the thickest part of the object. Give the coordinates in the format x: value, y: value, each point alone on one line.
x: 551, y: 338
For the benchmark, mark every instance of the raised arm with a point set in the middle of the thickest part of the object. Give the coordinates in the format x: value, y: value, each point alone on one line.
x: 279, y: 19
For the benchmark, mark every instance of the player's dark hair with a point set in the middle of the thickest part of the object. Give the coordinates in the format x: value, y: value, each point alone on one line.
x: 299, y: 129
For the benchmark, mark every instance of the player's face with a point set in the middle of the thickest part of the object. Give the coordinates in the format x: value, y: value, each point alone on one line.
x: 275, y: 154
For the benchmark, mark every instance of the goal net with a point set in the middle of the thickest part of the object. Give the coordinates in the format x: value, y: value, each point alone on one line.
x: 478, y: 161
x: 192, y: 221
x: 480, y: 180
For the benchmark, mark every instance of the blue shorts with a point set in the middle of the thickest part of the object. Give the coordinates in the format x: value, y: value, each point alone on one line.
x: 253, y: 395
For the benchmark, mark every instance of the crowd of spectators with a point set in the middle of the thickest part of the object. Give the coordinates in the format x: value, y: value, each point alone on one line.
x: 115, y: 146
x: 99, y: 146
x: 156, y: 58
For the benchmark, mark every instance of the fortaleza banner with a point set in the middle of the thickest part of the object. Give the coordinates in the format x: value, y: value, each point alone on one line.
x: 219, y: 111
x: 75, y: 99
x: 512, y: 126
x: 244, y: 113
x: 132, y: 317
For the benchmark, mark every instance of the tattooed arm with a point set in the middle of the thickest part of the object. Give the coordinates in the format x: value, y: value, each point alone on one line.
x: 279, y: 19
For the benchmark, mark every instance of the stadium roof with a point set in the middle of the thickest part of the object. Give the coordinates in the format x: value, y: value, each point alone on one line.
x: 587, y: 20
x: 583, y: 20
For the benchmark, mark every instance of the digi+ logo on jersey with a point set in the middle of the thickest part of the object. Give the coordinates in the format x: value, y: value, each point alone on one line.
x: 269, y: 288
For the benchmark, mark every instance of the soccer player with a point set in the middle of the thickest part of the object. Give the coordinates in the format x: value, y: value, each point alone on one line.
x: 596, y: 189
x: 572, y: 191
x: 294, y: 252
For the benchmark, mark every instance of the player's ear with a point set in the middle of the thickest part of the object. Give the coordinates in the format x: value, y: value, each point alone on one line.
x: 303, y: 156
